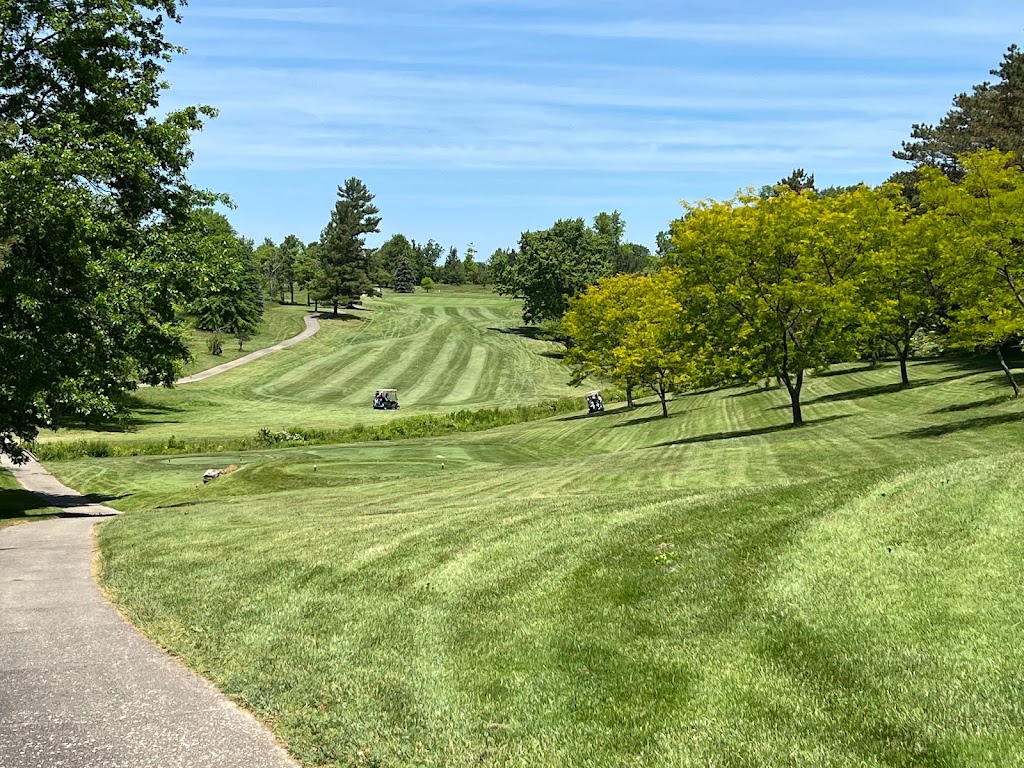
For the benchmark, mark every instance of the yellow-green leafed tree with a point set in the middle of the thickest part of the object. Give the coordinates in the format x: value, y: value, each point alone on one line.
x: 898, y: 289
x: 977, y: 226
x: 775, y: 280
x: 633, y: 329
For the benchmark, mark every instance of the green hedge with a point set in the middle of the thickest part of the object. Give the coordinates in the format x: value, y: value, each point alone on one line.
x: 426, y: 425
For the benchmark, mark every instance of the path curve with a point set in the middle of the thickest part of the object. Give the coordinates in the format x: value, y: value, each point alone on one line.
x: 312, y: 327
x: 79, y: 685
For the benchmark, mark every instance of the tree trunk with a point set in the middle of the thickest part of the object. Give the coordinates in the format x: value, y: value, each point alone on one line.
x: 794, y: 394
x: 629, y: 396
x: 904, y: 353
x: 335, y: 305
x: 291, y: 289
x: 664, y: 404
x: 1007, y: 371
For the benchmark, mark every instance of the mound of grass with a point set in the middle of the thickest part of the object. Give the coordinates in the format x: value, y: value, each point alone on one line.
x: 712, y: 588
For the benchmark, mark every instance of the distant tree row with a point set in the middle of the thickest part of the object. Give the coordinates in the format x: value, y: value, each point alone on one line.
x: 339, y: 268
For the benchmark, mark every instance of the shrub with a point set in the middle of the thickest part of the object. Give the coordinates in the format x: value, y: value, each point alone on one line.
x: 215, y: 343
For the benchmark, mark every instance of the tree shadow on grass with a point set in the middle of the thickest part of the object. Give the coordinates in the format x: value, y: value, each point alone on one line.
x: 126, y: 423
x: 844, y: 371
x: 655, y: 417
x: 960, y: 407
x: 611, y: 412
x: 15, y: 503
x: 756, y: 391
x: 940, y: 430
x: 341, y: 316
x: 715, y: 436
x: 529, y: 332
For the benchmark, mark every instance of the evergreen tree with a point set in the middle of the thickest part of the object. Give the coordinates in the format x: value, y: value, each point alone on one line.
x: 990, y: 117
x: 345, y: 260
x: 453, y: 272
x: 405, y: 280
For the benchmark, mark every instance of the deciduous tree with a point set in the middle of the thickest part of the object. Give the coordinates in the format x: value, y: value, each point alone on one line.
x: 977, y: 226
x: 93, y: 209
x: 774, y: 279
x: 550, y: 267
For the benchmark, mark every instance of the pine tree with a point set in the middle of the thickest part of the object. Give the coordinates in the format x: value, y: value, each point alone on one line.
x: 405, y: 280
x: 346, y: 261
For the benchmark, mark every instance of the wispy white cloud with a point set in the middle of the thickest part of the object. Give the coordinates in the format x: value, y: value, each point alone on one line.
x: 715, y: 97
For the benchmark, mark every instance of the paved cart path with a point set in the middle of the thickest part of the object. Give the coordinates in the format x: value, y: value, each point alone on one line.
x: 312, y: 326
x: 82, y: 688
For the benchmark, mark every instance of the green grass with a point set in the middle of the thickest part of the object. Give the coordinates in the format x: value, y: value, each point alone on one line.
x: 715, y: 588
x: 280, y: 322
x: 443, y: 352
x: 18, y: 505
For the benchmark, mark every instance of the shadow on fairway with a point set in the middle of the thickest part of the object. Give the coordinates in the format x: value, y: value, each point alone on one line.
x: 714, y: 436
x: 940, y: 430
x: 610, y: 412
x: 341, y: 316
x: 527, y: 332
x: 960, y: 407
x: 757, y: 391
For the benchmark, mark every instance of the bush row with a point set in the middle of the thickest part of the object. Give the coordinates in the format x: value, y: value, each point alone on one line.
x: 426, y: 425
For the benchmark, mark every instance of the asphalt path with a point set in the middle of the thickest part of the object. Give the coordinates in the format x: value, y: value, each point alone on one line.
x: 312, y: 326
x: 81, y: 687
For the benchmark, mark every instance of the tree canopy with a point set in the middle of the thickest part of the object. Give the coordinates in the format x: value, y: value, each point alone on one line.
x: 991, y: 116
x: 94, y: 210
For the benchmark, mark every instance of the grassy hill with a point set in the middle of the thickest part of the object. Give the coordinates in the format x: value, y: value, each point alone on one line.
x: 715, y: 588
x: 441, y: 351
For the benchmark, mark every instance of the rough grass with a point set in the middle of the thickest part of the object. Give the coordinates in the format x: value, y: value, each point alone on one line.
x: 715, y: 588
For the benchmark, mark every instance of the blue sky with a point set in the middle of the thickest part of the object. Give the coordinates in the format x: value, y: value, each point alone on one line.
x: 473, y: 120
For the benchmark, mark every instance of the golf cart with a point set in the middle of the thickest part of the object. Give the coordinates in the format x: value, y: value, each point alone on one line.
x: 386, y: 400
x: 595, y: 404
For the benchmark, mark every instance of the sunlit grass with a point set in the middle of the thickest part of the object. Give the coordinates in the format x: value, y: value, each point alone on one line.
x: 715, y: 588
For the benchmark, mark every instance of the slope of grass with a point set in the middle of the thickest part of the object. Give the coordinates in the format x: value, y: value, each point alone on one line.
x: 280, y: 322
x: 710, y: 589
x: 443, y: 352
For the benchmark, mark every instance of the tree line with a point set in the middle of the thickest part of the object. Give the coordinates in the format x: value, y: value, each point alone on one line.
x: 338, y: 268
x: 788, y: 279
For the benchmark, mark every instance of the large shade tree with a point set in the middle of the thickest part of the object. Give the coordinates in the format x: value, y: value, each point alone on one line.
x: 230, y: 299
x: 773, y: 280
x: 95, y: 255
x: 550, y: 267
x: 977, y: 226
